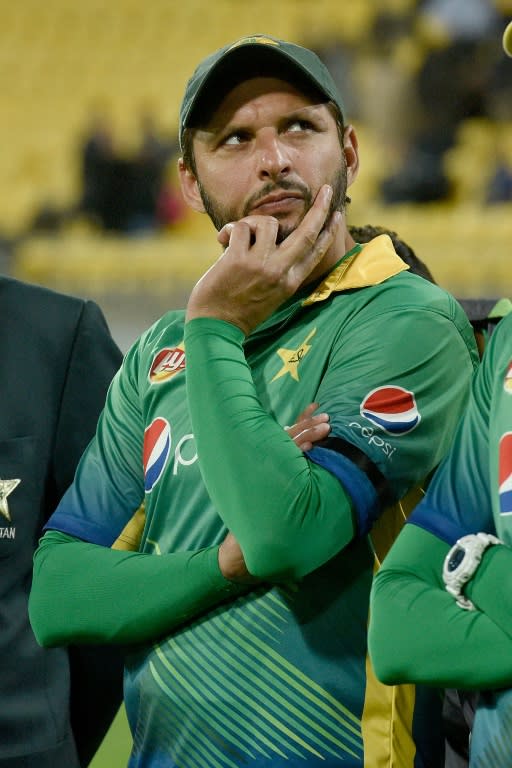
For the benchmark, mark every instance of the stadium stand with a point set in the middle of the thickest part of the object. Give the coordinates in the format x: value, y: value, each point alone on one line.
x: 60, y: 61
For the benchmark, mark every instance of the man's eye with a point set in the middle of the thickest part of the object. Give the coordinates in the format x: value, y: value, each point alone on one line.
x: 299, y: 125
x: 233, y: 139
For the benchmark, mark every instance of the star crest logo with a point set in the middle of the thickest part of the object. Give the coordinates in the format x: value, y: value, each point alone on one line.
x: 292, y: 357
x: 6, y: 488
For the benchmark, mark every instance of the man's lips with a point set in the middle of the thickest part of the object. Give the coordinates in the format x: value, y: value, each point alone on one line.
x: 277, y: 203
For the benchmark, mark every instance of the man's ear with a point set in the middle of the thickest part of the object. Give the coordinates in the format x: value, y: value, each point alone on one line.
x: 190, y: 187
x: 351, y: 151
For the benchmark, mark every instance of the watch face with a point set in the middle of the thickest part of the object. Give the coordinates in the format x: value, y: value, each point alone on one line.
x: 456, y: 559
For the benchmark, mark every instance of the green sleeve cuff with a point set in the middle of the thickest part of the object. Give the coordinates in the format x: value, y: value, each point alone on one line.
x: 210, y: 557
x: 203, y: 326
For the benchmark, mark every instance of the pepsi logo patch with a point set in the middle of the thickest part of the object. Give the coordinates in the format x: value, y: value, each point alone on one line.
x: 505, y: 474
x: 167, y: 363
x: 507, y: 384
x: 155, y: 452
x: 392, y: 409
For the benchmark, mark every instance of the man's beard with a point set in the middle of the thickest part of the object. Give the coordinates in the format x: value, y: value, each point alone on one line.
x: 221, y: 216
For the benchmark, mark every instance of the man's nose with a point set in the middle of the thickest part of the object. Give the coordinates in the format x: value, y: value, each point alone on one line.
x: 273, y: 157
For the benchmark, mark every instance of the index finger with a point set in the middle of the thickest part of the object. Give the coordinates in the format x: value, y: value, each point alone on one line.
x: 256, y: 225
x: 306, y: 413
x: 303, y: 239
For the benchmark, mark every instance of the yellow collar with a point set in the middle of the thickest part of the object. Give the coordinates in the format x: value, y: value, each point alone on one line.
x: 374, y: 263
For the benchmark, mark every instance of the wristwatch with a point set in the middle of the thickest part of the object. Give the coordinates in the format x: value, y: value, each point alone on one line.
x: 461, y: 563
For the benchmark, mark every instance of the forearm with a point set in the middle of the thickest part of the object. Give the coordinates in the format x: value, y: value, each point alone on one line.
x: 288, y: 515
x: 419, y: 634
x: 87, y: 593
x: 490, y: 589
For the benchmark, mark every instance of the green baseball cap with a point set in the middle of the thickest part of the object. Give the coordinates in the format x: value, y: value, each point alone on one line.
x: 254, y: 56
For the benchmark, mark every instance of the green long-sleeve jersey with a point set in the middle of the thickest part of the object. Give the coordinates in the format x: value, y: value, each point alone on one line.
x: 418, y: 633
x: 193, y: 427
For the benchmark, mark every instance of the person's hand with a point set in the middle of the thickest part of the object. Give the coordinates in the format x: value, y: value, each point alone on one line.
x: 254, y: 275
x: 309, y: 428
x: 232, y: 563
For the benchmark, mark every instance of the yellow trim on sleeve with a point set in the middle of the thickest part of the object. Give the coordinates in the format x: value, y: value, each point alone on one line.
x: 130, y: 537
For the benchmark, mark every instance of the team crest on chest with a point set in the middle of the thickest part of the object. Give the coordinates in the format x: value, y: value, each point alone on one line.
x: 167, y: 363
x: 292, y: 357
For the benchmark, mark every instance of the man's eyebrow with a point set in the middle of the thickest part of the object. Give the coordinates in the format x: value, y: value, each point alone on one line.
x: 308, y: 109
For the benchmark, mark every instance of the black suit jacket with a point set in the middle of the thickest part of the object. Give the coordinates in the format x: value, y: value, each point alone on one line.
x: 57, y: 358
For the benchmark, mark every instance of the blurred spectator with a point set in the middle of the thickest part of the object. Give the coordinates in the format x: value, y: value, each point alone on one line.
x: 97, y: 157
x: 461, y: 19
x: 123, y: 193
x: 386, y: 66
x: 499, y: 189
x: 452, y: 83
x: 149, y: 186
x: 340, y: 57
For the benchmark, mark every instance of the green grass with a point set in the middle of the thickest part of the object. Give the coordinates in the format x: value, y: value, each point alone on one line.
x: 115, y: 749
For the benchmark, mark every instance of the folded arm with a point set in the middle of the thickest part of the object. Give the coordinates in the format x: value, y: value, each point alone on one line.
x: 419, y: 634
x: 128, y: 597
x: 288, y: 514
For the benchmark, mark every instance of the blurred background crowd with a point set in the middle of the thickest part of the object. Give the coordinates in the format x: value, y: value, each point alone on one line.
x: 90, y: 94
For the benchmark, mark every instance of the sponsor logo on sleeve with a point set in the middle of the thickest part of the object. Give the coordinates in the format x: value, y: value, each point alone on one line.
x: 166, y: 363
x: 392, y: 409
x: 156, y: 451
x: 368, y: 433
x: 505, y: 474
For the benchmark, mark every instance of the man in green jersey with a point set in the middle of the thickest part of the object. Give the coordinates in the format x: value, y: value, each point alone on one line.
x: 461, y: 485
x: 441, y: 611
x: 242, y: 591
x: 484, y: 314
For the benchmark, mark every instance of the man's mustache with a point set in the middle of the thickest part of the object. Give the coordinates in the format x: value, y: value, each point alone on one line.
x: 272, y: 187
